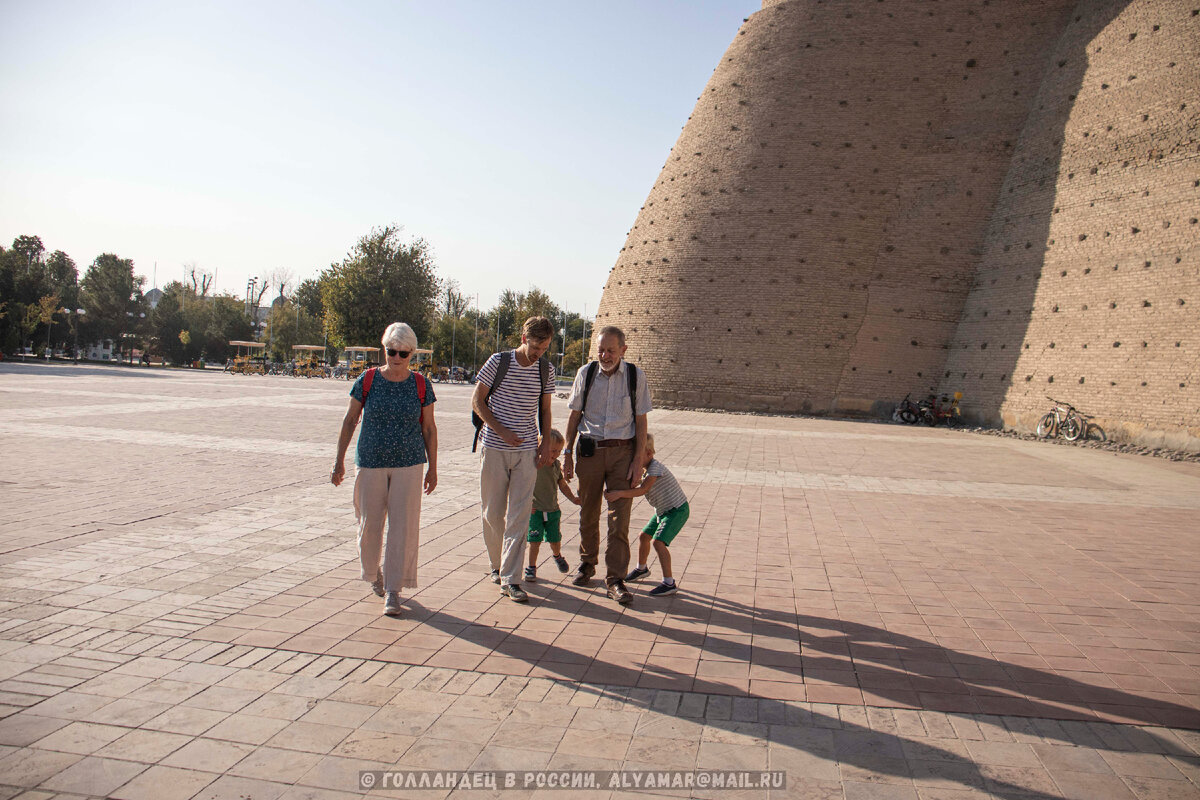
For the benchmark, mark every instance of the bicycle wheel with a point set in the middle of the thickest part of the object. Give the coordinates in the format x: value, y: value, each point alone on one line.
x: 1047, y: 427
x: 908, y: 416
x: 1072, y: 429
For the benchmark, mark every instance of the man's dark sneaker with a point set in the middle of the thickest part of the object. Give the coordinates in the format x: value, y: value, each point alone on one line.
x: 637, y: 573
x: 563, y: 566
x: 531, y: 574
x: 618, y: 592
x: 494, y: 575
x: 514, y: 592
x: 584, y: 576
x: 663, y: 589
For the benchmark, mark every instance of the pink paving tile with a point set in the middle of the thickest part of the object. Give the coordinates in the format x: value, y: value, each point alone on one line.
x: 776, y: 690
x: 834, y: 694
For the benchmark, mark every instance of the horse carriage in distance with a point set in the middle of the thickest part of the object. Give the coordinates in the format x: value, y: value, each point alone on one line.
x: 249, y: 360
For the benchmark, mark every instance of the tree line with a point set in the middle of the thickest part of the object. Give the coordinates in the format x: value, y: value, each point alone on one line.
x: 44, y: 302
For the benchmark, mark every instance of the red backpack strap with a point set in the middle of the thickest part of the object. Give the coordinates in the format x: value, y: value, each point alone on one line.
x: 367, y: 378
x: 421, y: 393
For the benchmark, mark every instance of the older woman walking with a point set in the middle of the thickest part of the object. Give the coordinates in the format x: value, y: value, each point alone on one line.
x: 398, y: 436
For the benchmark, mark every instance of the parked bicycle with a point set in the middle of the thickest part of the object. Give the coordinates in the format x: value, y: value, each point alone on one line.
x: 937, y: 409
x: 1064, y: 418
x: 907, y: 411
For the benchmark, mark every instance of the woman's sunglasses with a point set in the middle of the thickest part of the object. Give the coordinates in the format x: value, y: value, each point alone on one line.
x: 398, y: 353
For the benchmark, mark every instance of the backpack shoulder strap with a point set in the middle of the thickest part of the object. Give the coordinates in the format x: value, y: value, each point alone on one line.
x: 421, y: 393
x: 501, y: 371
x: 544, y: 373
x: 368, y: 377
x: 633, y: 389
x: 589, y: 375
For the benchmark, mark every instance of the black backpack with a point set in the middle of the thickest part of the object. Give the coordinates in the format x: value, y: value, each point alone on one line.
x: 501, y: 371
x: 589, y: 375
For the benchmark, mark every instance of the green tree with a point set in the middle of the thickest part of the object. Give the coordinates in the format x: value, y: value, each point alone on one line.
x: 30, y: 248
x: 112, y: 297
x: 381, y: 281
x: 577, y: 355
x: 308, y: 297
x: 38, y: 313
x: 224, y: 320
x: 290, y: 324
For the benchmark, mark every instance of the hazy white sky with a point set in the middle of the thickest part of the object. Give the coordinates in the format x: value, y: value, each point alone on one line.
x: 518, y: 138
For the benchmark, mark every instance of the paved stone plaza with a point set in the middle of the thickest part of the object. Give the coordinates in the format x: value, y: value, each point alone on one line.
x: 877, y: 610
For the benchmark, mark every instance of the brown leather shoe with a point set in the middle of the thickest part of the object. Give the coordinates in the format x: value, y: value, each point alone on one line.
x: 618, y: 592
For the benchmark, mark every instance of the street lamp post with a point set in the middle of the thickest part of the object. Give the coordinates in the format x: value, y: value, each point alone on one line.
x: 78, y: 311
x: 50, y: 327
x: 475, y: 350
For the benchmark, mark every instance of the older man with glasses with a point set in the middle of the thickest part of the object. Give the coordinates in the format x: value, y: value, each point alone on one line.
x: 609, y: 402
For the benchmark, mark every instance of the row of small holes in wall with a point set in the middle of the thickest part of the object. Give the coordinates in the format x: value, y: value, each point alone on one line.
x: 1050, y: 379
x: 1086, y: 271
x: 1113, y: 304
x: 1133, y: 231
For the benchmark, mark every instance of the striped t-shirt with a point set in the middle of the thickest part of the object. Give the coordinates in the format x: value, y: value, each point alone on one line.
x: 666, y: 493
x: 515, y: 401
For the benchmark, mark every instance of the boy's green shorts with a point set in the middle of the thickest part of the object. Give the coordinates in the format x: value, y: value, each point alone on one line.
x: 543, y: 527
x: 663, y: 527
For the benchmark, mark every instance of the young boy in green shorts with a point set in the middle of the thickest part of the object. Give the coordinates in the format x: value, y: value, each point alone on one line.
x: 545, y: 516
x: 670, y: 513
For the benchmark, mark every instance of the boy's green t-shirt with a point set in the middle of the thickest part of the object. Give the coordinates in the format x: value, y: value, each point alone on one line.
x: 545, y: 490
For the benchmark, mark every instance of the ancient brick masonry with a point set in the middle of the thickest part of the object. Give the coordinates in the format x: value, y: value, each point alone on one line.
x: 875, y: 197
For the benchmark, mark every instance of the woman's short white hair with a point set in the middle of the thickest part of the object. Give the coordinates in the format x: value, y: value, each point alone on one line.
x: 399, y: 336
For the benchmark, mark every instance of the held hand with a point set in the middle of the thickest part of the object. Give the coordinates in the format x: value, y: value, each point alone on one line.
x: 338, y: 475
x: 430, y: 481
x: 576, y: 501
x: 635, y: 474
x: 543, y: 455
x: 613, y: 495
x: 568, y: 466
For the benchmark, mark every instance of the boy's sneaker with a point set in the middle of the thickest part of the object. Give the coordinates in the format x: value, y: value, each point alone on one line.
x: 494, y: 575
x: 377, y: 584
x: 563, y: 566
x: 531, y: 574
x: 663, y: 589
x: 391, y: 606
x: 514, y: 592
x: 637, y: 573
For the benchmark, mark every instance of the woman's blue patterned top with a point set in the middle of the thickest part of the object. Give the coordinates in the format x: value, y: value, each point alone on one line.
x: 390, y: 435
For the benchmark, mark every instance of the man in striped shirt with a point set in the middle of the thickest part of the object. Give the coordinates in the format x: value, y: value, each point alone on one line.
x: 511, y: 411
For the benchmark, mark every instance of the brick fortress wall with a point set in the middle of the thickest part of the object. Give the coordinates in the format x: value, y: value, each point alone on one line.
x: 1088, y: 287
x: 823, y: 235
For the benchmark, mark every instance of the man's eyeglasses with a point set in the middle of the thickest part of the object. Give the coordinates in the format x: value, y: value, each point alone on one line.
x: 398, y: 353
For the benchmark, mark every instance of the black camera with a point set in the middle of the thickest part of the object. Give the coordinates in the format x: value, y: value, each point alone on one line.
x: 587, y: 447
